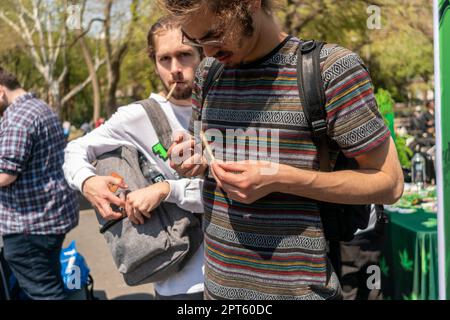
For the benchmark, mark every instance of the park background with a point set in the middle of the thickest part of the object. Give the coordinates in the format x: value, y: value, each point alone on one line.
x: 88, y: 57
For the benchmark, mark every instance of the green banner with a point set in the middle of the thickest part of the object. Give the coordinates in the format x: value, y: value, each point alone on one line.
x: 444, y: 44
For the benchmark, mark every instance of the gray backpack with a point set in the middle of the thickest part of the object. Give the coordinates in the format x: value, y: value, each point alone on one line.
x: 164, y: 243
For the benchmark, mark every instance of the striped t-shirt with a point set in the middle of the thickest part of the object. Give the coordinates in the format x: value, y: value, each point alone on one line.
x: 275, y: 248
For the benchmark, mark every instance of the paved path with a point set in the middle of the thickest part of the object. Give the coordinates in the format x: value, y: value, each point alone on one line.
x: 108, y: 282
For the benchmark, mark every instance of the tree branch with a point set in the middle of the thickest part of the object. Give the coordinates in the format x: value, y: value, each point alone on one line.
x: 38, y: 27
x: 25, y: 35
x: 74, y: 42
x: 81, y: 86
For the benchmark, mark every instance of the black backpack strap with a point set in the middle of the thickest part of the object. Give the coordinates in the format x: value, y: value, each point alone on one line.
x: 160, y: 124
x: 214, y: 73
x: 312, y: 96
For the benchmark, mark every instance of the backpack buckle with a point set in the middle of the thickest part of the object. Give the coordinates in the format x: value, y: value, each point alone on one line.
x: 319, y: 127
x: 308, y: 46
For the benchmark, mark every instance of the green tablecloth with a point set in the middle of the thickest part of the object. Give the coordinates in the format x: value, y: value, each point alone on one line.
x: 409, y: 259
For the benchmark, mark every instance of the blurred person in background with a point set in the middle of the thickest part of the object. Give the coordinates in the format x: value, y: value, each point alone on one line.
x: 37, y: 207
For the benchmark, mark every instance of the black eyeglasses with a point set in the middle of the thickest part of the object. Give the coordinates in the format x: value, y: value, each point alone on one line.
x: 200, y: 43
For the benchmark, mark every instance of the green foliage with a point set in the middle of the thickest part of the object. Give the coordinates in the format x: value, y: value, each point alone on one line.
x: 404, y: 153
x: 399, y: 55
x: 138, y: 71
x: 384, y: 101
x: 397, y: 63
x: 386, y: 106
x: 19, y: 63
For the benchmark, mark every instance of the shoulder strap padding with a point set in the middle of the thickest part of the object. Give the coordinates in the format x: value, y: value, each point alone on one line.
x: 214, y: 74
x: 159, y: 121
x: 312, y: 96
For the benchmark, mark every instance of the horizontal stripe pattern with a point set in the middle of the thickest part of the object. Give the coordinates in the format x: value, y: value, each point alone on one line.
x: 275, y: 247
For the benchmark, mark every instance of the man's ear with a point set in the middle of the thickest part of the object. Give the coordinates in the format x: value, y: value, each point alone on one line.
x: 2, y: 92
x: 255, y: 5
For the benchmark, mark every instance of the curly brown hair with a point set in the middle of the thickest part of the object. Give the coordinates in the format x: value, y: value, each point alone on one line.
x: 238, y: 10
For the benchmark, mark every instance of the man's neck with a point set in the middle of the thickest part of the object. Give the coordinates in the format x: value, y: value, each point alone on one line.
x: 15, y: 94
x: 180, y: 103
x: 269, y: 37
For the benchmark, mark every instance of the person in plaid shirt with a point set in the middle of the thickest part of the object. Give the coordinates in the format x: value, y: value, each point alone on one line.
x: 37, y: 207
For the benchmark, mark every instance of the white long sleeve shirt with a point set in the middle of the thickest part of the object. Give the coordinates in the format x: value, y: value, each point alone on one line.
x: 130, y: 126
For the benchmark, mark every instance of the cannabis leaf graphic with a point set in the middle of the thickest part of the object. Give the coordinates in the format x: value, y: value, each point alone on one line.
x: 412, y: 296
x: 430, y: 223
x: 384, y: 267
x: 405, y: 262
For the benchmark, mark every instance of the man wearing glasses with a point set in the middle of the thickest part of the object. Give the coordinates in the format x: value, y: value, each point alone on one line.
x: 263, y: 233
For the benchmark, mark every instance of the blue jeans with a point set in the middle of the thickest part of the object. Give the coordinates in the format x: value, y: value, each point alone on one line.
x: 34, y: 260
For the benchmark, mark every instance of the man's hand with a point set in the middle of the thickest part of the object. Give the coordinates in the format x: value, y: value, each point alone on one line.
x: 6, y: 179
x: 183, y: 159
x: 245, y: 181
x: 140, y: 203
x: 96, y: 190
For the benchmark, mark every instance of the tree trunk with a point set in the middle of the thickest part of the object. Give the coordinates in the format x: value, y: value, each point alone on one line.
x: 115, y: 56
x: 94, y: 79
x: 113, y: 80
x: 55, y: 98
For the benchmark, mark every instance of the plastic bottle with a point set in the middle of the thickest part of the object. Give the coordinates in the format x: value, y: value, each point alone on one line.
x: 150, y: 171
x: 418, y: 173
